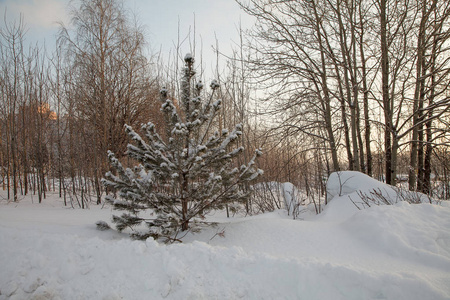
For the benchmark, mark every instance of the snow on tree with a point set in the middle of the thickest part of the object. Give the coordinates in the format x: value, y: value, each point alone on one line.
x: 184, y: 175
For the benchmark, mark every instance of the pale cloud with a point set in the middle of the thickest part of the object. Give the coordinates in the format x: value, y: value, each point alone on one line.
x: 165, y: 22
x: 37, y: 14
x: 166, y: 19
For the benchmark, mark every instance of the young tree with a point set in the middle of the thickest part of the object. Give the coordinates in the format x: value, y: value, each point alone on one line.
x: 185, y: 175
x: 12, y: 86
x: 110, y: 76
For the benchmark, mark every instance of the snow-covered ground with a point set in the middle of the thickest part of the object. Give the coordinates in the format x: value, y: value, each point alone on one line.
x: 401, y: 251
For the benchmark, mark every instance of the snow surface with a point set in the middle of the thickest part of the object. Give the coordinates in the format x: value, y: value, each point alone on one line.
x: 401, y: 251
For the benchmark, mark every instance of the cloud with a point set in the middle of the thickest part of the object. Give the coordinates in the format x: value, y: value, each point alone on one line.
x: 37, y: 13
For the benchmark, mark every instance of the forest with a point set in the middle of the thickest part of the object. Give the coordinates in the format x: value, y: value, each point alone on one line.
x: 319, y: 86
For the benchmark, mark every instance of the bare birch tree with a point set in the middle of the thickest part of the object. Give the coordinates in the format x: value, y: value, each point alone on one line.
x: 112, y: 84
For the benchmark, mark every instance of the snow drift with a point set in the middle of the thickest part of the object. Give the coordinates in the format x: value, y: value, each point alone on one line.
x: 350, y: 191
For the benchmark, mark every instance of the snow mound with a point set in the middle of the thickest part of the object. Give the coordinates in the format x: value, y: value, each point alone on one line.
x: 350, y: 191
x: 347, y: 182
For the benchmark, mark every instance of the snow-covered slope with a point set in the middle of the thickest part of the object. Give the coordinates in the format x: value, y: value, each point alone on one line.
x: 384, y: 252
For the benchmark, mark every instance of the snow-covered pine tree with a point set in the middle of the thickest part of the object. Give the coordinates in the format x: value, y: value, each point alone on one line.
x: 182, y: 176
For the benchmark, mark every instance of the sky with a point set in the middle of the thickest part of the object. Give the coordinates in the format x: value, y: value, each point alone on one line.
x: 164, y: 21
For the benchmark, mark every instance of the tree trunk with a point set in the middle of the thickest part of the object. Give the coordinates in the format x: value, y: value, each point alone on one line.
x: 385, y: 93
x: 348, y: 79
x: 429, y: 123
x: 184, y: 204
x: 326, y: 97
x: 367, y: 137
x: 344, y: 120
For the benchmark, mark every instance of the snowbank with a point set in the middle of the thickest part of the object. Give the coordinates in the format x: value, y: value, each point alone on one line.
x: 347, y: 182
x: 346, y: 190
